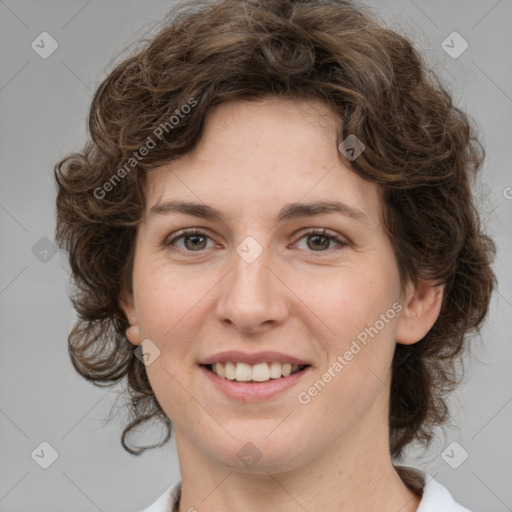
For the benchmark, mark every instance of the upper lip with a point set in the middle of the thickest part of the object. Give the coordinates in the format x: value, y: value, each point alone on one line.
x: 255, y: 358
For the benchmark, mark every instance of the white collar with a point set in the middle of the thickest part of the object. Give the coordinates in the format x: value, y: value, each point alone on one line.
x: 436, y: 497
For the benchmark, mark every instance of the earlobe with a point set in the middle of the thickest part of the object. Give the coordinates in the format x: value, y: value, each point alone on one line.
x: 133, y: 335
x: 421, y: 309
x: 126, y: 303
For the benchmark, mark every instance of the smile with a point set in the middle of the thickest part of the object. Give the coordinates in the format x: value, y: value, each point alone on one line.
x: 239, y: 381
x: 261, y: 372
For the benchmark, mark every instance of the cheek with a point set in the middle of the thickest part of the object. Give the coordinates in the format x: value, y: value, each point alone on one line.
x: 349, y: 300
x: 165, y: 298
x: 358, y: 348
x: 359, y: 309
x: 168, y: 378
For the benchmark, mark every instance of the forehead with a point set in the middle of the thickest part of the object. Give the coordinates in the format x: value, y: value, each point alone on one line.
x: 256, y: 156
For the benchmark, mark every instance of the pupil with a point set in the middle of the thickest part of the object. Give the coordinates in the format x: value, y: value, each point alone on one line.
x: 197, y: 239
x: 194, y: 244
x: 322, y: 246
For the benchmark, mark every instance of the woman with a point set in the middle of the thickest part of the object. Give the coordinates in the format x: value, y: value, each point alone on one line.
x: 273, y: 239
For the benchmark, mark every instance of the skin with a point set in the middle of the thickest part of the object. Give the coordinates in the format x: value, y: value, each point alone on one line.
x: 297, y: 298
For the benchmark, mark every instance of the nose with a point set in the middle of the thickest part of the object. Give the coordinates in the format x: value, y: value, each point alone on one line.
x: 253, y: 296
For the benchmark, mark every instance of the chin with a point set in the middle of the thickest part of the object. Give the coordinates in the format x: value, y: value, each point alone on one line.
x: 257, y: 453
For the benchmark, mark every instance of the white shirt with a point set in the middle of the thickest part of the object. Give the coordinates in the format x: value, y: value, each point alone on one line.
x: 436, y: 497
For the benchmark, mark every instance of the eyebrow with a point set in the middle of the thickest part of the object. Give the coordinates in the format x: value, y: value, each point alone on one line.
x: 288, y: 212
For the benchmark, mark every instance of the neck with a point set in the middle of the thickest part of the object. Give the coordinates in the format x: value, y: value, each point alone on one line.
x: 347, y: 478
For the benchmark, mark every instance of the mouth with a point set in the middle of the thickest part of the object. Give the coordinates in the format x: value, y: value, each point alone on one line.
x: 258, y: 382
x: 257, y: 373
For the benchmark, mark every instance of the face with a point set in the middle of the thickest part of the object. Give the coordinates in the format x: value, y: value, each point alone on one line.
x: 275, y: 279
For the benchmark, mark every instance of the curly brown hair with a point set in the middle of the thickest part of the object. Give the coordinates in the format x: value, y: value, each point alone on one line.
x: 421, y: 150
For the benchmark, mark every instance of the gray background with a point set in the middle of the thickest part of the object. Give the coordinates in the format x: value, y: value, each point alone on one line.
x: 44, y: 105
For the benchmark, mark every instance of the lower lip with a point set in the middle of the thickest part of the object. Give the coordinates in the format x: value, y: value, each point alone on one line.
x: 254, y: 391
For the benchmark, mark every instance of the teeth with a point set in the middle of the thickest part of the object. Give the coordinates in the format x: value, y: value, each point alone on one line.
x: 220, y: 370
x: 261, y: 372
x: 229, y: 370
x: 243, y: 372
x: 275, y: 369
x: 286, y: 369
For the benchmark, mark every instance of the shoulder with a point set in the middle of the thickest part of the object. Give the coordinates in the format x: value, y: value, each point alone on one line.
x: 165, y: 503
x: 435, y: 496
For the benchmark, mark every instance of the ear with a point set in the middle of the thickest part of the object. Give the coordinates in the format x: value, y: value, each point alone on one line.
x: 127, y: 304
x: 422, y: 305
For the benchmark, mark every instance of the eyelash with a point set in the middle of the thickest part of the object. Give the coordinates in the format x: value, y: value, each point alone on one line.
x: 196, y: 231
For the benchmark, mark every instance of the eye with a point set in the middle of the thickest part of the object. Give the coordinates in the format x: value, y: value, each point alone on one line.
x: 193, y: 239
x: 318, y: 240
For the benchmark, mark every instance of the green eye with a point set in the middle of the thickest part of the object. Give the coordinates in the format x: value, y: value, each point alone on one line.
x: 195, y: 240
x: 320, y: 239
